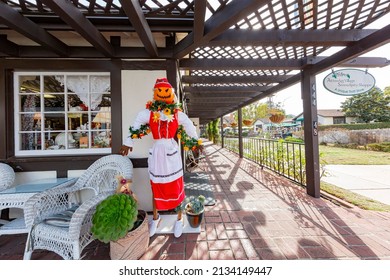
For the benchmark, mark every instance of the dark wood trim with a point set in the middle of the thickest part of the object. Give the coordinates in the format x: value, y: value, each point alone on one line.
x: 136, y: 16
x: 31, y: 30
x: 58, y: 64
x: 144, y: 65
x: 3, y: 112
x: 240, y: 142
x: 116, y: 105
x: 76, y: 19
x: 309, y: 96
x: 62, y: 164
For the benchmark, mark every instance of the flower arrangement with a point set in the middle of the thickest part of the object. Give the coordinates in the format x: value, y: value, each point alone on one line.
x: 167, y: 110
x: 189, y: 143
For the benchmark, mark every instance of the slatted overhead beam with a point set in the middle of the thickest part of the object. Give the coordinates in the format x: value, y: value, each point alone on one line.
x: 75, y: 18
x: 193, y: 79
x: 199, y: 19
x: 236, y: 37
x: 136, y: 16
x: 374, y: 40
x: 224, y: 89
x: 13, y: 19
x: 222, y: 20
x: 243, y: 64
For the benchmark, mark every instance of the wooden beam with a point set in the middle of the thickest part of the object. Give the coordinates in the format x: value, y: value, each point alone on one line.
x: 13, y: 19
x: 220, y: 95
x: 224, y: 89
x: 136, y: 16
x: 217, y: 23
x: 359, y: 62
x: 237, y: 64
x: 238, y: 37
x: 234, y: 79
x: 75, y: 18
x: 8, y: 47
x: 372, y: 41
x: 199, y: 19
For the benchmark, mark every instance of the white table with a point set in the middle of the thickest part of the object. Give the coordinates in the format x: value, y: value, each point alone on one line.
x: 17, y: 196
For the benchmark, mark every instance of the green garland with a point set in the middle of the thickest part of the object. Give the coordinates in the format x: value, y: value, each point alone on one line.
x: 156, y: 106
x: 188, y: 143
x: 141, y: 132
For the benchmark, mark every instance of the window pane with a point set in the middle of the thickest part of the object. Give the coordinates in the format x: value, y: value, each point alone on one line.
x: 101, y: 139
x: 74, y: 101
x: 54, y: 102
x: 30, y: 103
x: 30, y: 141
x: 77, y: 120
x: 30, y: 122
x: 54, y: 121
x: 101, y: 119
x: 53, y: 85
x: 29, y: 84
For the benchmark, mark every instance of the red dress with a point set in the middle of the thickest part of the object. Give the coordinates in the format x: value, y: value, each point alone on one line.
x: 165, y: 164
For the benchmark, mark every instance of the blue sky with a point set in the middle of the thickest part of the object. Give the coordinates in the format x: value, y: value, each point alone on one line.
x: 291, y: 97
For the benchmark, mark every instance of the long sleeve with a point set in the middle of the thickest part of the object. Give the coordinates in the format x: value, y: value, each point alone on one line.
x: 142, y: 118
x: 187, y: 124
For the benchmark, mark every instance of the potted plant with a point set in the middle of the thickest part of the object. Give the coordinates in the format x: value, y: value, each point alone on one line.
x: 118, y: 221
x: 194, y: 209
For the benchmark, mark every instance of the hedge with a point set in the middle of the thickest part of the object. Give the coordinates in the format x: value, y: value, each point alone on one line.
x: 356, y: 126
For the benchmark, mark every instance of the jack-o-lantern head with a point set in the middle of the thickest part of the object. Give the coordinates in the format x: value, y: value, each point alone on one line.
x: 163, y: 91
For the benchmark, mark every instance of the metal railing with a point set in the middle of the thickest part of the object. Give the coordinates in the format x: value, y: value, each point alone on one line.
x: 282, y: 157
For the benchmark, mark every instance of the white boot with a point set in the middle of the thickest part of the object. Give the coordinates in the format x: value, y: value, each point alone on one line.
x: 153, y: 224
x: 178, y: 229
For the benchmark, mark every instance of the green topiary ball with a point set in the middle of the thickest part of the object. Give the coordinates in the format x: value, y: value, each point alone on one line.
x: 114, y: 217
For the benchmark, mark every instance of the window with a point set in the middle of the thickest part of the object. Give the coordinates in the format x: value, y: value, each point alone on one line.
x: 62, y: 113
x: 338, y: 120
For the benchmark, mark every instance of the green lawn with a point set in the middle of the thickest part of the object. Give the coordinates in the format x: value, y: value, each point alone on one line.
x: 334, y: 155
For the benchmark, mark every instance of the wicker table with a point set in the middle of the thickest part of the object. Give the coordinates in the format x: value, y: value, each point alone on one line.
x: 17, y: 196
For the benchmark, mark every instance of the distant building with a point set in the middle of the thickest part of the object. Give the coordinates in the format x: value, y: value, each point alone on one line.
x: 328, y: 117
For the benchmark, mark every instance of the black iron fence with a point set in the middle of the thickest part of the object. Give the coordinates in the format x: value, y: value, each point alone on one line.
x: 284, y: 158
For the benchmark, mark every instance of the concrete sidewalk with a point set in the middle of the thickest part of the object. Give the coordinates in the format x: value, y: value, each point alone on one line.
x: 372, y: 181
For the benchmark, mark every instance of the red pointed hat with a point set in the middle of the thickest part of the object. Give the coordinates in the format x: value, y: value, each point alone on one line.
x: 163, y: 82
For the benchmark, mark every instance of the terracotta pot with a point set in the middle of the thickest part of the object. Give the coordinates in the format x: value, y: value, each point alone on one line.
x: 194, y: 219
x: 247, y: 122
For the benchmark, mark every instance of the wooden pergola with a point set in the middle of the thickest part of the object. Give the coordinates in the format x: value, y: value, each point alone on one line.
x: 223, y: 54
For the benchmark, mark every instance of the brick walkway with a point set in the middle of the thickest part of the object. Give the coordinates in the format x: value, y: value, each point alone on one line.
x: 258, y: 215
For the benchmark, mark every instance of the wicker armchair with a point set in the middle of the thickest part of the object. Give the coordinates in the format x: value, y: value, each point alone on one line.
x: 7, y: 178
x: 69, y: 240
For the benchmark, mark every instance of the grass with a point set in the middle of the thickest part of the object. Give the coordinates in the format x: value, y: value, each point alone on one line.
x: 354, y: 198
x: 334, y: 155
x: 343, y: 156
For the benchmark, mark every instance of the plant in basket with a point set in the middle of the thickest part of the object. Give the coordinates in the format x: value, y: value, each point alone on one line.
x: 118, y: 221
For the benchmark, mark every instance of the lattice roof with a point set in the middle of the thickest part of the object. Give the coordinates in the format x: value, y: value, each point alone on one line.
x: 253, y: 47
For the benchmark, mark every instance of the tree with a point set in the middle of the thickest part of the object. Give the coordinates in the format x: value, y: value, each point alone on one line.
x: 370, y: 106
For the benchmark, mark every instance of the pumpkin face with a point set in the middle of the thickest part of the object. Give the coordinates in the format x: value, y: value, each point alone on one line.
x: 164, y: 94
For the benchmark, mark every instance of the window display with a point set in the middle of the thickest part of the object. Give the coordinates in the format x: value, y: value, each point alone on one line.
x: 62, y: 113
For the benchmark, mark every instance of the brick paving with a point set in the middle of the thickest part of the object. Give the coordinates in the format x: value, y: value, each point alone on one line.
x: 257, y: 215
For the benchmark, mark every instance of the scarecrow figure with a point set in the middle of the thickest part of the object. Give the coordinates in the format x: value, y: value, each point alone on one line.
x: 165, y: 120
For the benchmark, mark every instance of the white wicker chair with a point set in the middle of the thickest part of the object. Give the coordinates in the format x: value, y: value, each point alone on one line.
x: 69, y: 242
x: 7, y: 178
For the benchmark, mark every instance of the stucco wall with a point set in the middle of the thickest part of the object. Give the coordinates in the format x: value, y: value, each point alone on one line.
x: 137, y: 89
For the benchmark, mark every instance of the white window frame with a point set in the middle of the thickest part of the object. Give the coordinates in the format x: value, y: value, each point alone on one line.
x: 17, y: 116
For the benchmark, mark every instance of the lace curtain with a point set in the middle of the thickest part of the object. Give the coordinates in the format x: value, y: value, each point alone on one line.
x: 79, y: 85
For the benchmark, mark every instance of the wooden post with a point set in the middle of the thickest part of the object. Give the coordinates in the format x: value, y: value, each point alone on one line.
x: 222, y: 143
x: 309, y: 97
x: 240, y: 143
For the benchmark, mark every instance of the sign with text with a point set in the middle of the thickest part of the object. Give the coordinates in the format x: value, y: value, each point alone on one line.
x: 349, y: 82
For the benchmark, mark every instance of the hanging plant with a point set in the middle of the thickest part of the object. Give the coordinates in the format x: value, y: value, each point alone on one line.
x: 247, y: 122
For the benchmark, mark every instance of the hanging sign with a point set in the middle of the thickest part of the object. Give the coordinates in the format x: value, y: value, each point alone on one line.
x: 349, y: 82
